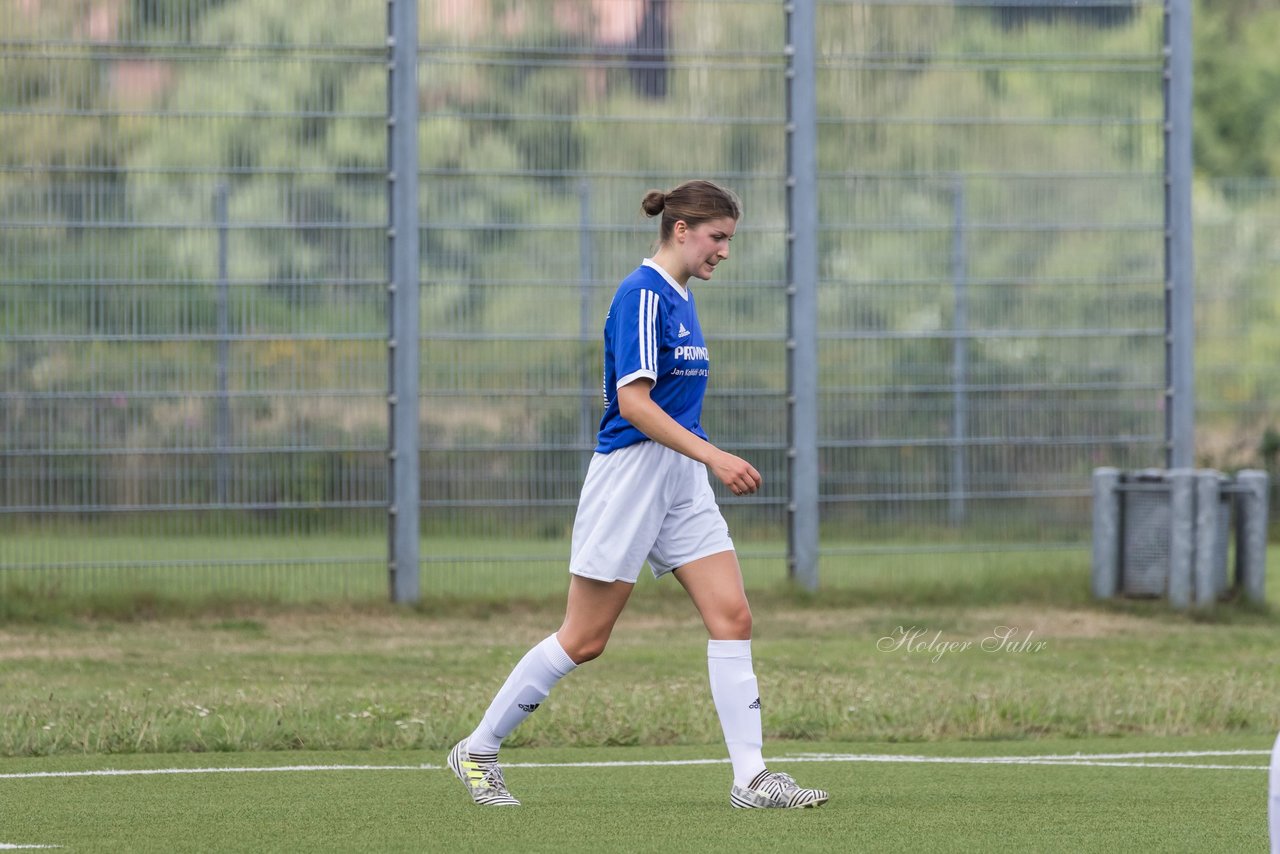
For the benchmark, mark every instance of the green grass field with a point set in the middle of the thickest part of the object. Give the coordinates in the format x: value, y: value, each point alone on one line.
x: 101, y: 572
x: 104, y: 572
x: 887, y: 798
x: 978, y: 656
x: 380, y: 677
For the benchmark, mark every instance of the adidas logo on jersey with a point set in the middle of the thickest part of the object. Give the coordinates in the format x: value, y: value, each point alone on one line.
x: 528, y: 707
x: 755, y: 705
x: 683, y: 333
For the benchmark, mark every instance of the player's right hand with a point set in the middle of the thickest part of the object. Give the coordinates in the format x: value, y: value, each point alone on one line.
x: 736, y: 473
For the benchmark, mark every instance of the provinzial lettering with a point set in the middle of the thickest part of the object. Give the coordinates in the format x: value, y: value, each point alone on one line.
x: 691, y: 352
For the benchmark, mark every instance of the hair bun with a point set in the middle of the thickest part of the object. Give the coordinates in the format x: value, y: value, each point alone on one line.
x: 654, y: 202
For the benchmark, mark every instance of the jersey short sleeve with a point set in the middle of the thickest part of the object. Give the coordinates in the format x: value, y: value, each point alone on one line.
x: 635, y: 335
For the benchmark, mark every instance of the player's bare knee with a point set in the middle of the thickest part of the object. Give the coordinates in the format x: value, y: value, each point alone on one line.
x: 585, y: 649
x: 732, y: 624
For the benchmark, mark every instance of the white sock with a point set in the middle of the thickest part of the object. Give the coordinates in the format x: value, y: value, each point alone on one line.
x: 1274, y: 808
x: 737, y: 699
x: 525, y: 689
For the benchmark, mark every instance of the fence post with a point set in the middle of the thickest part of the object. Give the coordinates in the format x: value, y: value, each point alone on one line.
x: 802, y: 293
x: 1182, y: 500
x: 402, y: 303
x: 1179, y: 270
x: 1251, y: 542
x: 959, y: 357
x: 1208, y: 533
x: 222, y: 422
x: 1106, y: 533
x: 589, y: 405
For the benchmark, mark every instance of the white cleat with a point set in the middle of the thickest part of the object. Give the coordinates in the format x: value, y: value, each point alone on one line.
x: 775, y: 790
x: 482, y: 777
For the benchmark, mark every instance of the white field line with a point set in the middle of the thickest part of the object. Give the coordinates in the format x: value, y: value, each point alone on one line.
x: 6, y: 846
x: 1107, y: 760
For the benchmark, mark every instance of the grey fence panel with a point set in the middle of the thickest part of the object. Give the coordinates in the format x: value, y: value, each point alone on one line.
x: 542, y: 128
x: 192, y: 299
x: 193, y: 327
x: 992, y: 216
x: 1237, y: 313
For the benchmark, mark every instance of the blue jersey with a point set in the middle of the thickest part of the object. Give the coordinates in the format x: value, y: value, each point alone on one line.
x: 652, y: 331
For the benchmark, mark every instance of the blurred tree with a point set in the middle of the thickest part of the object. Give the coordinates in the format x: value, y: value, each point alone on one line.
x: 1237, y: 77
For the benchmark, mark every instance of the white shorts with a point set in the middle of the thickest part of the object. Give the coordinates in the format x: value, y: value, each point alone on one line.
x: 644, y: 501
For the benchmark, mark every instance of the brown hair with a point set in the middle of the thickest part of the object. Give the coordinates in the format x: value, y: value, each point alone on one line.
x: 695, y: 202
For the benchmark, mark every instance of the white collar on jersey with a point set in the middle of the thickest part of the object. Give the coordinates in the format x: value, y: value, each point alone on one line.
x: 648, y: 262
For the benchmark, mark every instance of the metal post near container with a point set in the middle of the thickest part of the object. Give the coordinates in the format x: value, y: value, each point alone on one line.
x: 1251, y: 538
x: 1106, y: 533
x: 1182, y: 496
x: 1208, y: 532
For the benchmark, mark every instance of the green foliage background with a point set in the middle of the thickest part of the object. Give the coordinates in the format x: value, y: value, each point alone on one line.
x: 294, y: 129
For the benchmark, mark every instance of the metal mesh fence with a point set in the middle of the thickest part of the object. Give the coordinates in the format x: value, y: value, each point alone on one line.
x: 992, y: 282
x: 193, y: 294
x: 1238, y: 289
x: 534, y: 169
x: 992, y: 267
x: 1238, y: 303
x: 192, y: 299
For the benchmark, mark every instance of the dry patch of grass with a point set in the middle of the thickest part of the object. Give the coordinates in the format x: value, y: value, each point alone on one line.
x: 383, y: 677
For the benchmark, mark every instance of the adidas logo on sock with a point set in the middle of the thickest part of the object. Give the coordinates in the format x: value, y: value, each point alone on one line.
x: 529, y: 707
x: 755, y: 705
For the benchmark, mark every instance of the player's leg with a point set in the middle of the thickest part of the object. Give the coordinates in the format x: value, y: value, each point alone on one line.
x: 618, y: 518
x: 592, y: 610
x: 474, y: 759
x: 590, y: 614
x: 714, y: 583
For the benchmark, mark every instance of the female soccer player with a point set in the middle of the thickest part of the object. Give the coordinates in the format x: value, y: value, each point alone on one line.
x: 647, y: 495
